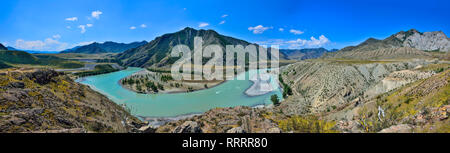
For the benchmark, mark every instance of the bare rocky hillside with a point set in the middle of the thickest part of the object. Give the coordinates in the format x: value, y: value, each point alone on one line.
x: 33, y: 100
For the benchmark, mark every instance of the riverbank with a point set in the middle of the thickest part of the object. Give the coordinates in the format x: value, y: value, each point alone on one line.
x: 230, y: 93
x: 261, y: 84
x: 149, y: 82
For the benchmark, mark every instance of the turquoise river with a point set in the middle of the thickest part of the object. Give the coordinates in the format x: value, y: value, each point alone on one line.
x: 228, y: 94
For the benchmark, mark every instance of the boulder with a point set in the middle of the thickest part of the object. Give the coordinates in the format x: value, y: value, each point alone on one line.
x: 236, y: 130
x: 43, y: 76
x: 401, y: 128
x: 147, y: 129
x: 17, y: 85
x: 274, y: 130
x: 188, y: 127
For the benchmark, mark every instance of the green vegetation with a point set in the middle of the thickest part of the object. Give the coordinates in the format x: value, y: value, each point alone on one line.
x: 58, y: 62
x: 287, y: 91
x: 160, y: 86
x: 99, y: 69
x: 109, y: 61
x: 166, y: 78
x: 151, y: 85
x: 4, y: 66
x: 275, y: 100
x: 155, y: 53
x: 141, y: 82
x: 306, y: 124
x: 106, y: 47
x: 437, y: 68
x: 159, y: 70
x: 401, y: 106
x: 20, y: 57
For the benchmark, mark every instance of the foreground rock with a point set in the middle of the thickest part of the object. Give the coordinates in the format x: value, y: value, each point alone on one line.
x: 47, y: 101
x: 402, y: 128
x: 188, y: 127
x: 222, y: 120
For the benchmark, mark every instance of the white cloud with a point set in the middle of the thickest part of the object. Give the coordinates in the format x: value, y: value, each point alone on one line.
x: 298, y: 43
x: 83, y: 28
x: 69, y: 27
x: 96, y: 14
x: 184, y: 9
x: 280, y: 29
x: 57, y: 36
x: 143, y: 26
x: 222, y: 22
x: 72, y: 19
x: 313, y: 42
x: 48, y: 44
x: 259, y: 29
x: 203, y: 24
x: 82, y: 43
x: 224, y: 16
x: 296, y: 32
x: 36, y: 44
x: 132, y: 27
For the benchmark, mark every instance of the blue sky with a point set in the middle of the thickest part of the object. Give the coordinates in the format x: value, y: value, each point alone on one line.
x: 51, y: 25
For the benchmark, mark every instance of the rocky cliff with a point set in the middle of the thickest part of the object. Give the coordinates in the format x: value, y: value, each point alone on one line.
x: 46, y: 101
x: 405, y: 44
x: 429, y: 41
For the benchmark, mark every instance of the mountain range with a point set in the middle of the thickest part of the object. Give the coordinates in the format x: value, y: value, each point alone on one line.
x: 106, y: 47
x: 427, y: 41
x: 346, y: 95
x: 156, y: 53
x: 411, y: 43
x: 3, y: 47
x: 307, y: 53
x: 33, y: 51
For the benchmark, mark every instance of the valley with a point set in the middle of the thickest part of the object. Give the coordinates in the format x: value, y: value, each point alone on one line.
x: 398, y: 84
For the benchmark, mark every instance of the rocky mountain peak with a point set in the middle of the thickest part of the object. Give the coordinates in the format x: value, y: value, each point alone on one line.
x: 3, y: 47
x: 192, y: 30
x: 156, y: 52
x: 428, y: 41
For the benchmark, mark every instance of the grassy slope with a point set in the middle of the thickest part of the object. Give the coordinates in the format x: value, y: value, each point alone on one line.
x: 4, y: 65
x: 423, y: 98
x: 23, y: 59
x: 99, y: 69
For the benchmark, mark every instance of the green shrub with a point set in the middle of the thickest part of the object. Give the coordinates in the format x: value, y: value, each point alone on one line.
x: 275, y: 100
